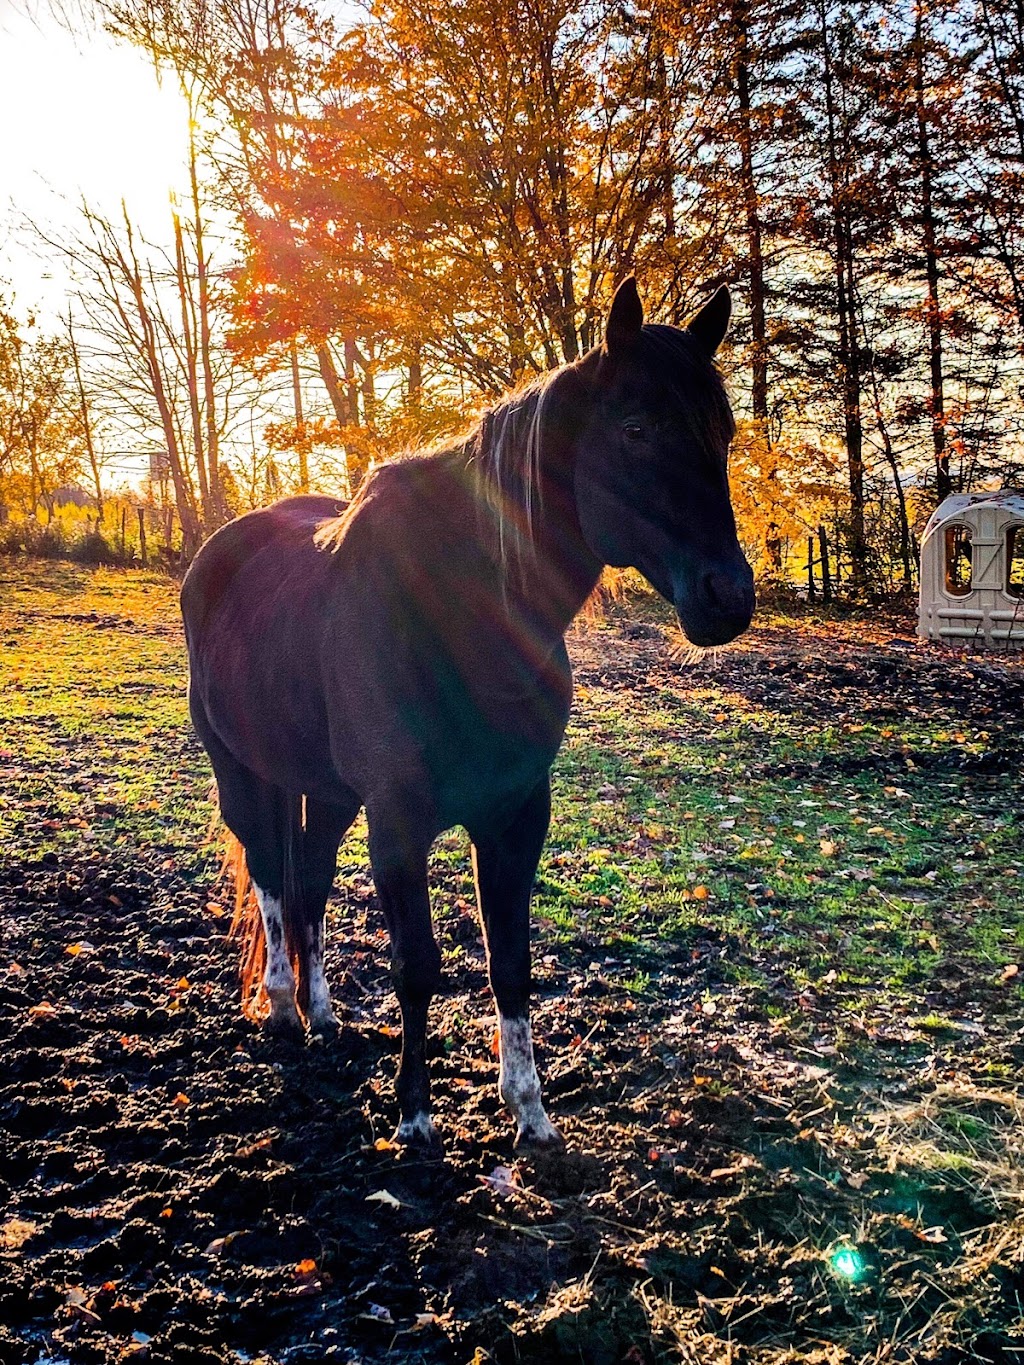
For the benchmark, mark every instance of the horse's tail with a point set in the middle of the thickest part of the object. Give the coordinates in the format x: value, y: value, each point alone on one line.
x: 247, y: 922
x: 247, y: 930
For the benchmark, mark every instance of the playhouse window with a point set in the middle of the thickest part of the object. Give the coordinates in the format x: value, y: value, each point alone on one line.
x: 1015, y: 561
x: 958, y: 560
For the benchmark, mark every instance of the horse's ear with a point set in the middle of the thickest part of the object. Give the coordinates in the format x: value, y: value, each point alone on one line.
x: 709, y: 326
x: 625, y: 318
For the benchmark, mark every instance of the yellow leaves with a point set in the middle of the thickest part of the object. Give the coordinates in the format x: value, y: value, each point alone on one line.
x: 44, y: 1010
x: 212, y: 908
x: 1009, y: 973
x: 385, y: 1145
x: 180, y: 1101
x: 696, y: 893
x: 829, y: 848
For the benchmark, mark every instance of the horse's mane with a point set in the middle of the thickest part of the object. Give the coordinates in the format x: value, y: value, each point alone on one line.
x: 502, y: 451
x: 502, y: 459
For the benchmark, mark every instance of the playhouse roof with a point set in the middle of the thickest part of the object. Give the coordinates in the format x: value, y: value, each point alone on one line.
x: 954, y: 507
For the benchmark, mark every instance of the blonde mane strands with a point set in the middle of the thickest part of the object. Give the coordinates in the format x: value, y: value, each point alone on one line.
x: 505, y: 452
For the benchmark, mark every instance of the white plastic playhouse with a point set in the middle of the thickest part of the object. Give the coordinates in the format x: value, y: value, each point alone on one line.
x: 972, y: 571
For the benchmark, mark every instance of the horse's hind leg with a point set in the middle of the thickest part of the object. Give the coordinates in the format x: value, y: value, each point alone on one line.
x: 256, y: 814
x: 504, y: 864
x: 326, y: 824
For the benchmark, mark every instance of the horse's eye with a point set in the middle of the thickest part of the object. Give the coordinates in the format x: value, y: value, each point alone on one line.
x: 633, y: 430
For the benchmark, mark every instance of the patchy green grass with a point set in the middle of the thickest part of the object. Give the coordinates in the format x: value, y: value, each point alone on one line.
x: 821, y: 843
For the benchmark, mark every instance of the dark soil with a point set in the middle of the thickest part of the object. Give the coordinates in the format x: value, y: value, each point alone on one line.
x: 177, y: 1189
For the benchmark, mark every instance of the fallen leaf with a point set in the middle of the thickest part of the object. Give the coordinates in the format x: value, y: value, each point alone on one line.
x: 384, y: 1197
x: 44, y: 1010
x: 15, y: 1232
x: 80, y: 1304
x: 384, y: 1145
x: 829, y: 848
x: 503, y: 1180
x: 180, y: 1100
x: 1009, y: 972
x: 701, y: 893
x: 375, y: 1313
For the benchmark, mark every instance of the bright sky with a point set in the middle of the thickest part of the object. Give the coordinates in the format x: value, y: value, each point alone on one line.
x: 79, y: 115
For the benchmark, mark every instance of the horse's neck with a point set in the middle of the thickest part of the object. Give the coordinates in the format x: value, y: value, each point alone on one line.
x: 552, y: 584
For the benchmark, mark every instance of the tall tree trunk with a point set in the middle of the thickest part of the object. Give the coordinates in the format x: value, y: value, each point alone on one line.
x: 300, y: 425
x: 849, y: 350
x: 415, y: 378
x: 188, y: 332
x: 184, y: 495
x: 755, y: 251
x: 217, y: 512
x: 332, y: 383
x: 86, y: 424
x: 943, y: 481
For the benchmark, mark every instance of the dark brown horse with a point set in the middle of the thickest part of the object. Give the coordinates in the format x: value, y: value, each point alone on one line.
x: 406, y: 654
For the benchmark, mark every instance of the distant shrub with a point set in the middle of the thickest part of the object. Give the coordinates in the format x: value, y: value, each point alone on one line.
x: 94, y: 548
x: 78, y: 540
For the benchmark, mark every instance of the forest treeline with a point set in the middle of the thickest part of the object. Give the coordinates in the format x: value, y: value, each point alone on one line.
x: 390, y: 221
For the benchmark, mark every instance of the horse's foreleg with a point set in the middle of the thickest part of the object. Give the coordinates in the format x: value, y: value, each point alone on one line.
x: 398, y: 853
x: 326, y: 824
x: 504, y: 866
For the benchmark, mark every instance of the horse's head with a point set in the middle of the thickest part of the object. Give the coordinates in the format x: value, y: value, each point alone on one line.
x: 651, y: 483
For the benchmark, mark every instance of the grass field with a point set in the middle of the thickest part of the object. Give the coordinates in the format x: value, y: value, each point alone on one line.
x: 779, y: 926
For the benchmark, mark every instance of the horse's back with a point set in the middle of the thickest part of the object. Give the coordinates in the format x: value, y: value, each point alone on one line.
x: 261, y: 547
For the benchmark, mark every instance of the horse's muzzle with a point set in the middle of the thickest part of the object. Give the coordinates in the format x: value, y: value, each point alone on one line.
x: 718, y: 607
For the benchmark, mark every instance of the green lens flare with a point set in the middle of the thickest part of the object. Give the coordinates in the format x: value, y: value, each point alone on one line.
x: 847, y: 1263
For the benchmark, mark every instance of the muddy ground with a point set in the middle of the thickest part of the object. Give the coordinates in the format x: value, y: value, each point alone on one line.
x: 177, y: 1189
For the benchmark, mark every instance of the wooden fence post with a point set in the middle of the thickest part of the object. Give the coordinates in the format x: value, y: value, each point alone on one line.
x: 142, y: 535
x: 124, y: 523
x: 826, y: 577
x: 810, y: 569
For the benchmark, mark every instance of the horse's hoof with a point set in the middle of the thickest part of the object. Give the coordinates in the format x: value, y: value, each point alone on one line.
x: 537, y: 1139
x: 325, y: 1029
x: 285, y: 1025
x: 419, y: 1134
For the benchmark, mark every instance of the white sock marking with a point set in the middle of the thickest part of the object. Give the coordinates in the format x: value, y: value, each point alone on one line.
x: 320, y: 1013
x: 519, y: 1084
x: 279, y: 979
